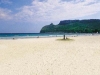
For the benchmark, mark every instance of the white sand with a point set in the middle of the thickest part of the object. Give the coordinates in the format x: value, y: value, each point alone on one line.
x: 48, y: 56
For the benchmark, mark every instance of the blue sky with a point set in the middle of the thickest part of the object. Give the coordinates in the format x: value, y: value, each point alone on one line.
x: 29, y: 16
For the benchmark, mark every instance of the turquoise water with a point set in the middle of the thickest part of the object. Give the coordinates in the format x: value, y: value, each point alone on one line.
x: 36, y: 35
x: 26, y: 35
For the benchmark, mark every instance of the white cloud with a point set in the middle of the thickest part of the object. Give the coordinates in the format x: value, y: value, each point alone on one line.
x: 57, y: 10
x: 5, y: 14
x: 53, y: 10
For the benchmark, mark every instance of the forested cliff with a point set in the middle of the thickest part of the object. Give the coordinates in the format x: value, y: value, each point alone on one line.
x: 73, y: 26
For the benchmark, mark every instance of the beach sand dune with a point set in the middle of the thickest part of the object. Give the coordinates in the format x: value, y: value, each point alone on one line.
x: 49, y: 56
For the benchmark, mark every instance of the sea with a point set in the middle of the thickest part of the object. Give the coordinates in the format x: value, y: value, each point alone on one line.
x: 37, y: 35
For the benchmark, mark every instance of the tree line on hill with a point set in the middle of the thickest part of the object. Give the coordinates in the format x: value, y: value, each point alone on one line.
x: 73, y: 26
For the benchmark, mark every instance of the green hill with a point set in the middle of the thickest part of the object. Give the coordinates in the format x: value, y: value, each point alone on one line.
x: 73, y: 26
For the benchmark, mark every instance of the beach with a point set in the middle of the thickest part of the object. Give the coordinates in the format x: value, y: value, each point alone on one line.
x: 50, y: 56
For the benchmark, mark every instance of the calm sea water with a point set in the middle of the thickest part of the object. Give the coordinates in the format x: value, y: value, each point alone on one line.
x: 26, y: 35
x: 35, y: 35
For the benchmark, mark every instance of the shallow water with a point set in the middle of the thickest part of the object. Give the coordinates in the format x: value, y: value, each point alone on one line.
x: 37, y: 35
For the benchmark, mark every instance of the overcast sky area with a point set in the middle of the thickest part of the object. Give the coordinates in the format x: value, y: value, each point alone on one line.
x: 29, y: 16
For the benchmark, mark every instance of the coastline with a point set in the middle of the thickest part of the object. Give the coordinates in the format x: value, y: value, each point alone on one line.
x: 18, y: 36
x: 48, y: 56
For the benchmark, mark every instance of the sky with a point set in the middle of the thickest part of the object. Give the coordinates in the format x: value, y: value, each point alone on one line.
x: 29, y: 16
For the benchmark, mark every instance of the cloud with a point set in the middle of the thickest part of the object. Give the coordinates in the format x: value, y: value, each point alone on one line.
x: 5, y: 14
x: 5, y: 2
x: 54, y: 10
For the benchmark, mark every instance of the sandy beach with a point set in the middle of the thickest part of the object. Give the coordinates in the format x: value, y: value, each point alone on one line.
x: 49, y: 56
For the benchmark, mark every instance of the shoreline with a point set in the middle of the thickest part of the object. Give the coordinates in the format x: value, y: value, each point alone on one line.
x: 49, y: 36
